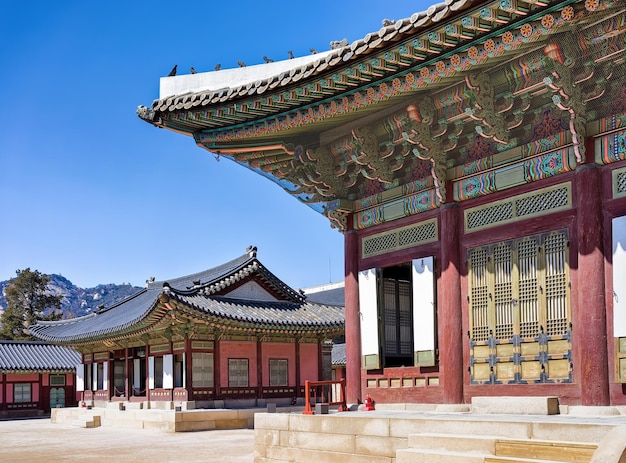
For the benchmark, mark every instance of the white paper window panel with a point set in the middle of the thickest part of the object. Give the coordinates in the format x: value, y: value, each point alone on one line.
x: 423, y: 304
x: 80, y: 377
x: 137, y: 379
x: 368, y: 306
x: 150, y: 372
x: 105, y: 373
x: 619, y: 276
x: 168, y: 371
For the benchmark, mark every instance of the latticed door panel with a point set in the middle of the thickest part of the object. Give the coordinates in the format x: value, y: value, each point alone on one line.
x: 503, y: 290
x: 405, y: 311
x: 519, y: 311
x: 390, y: 312
x: 479, y: 313
x: 398, y: 318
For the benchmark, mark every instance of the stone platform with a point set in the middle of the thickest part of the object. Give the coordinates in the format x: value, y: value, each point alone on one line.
x: 409, y: 433
x: 117, y: 414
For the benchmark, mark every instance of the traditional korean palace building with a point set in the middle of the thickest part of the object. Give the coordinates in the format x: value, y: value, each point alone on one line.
x: 233, y: 335
x: 473, y: 157
x: 35, y: 377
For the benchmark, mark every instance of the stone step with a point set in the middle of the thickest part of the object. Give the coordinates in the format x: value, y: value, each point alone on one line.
x: 516, y: 405
x: 87, y: 421
x: 454, y: 442
x: 571, y: 452
x: 497, y: 459
x: 437, y: 456
x: 494, y: 448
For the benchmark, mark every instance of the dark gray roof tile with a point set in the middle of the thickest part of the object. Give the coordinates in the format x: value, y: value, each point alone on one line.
x: 37, y: 356
x: 338, y: 355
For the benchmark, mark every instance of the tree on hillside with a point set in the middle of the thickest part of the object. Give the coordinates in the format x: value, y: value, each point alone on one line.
x: 28, y: 301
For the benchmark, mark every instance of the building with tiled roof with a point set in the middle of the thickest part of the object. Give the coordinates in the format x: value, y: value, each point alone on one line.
x: 233, y: 333
x: 35, y: 377
x: 473, y: 155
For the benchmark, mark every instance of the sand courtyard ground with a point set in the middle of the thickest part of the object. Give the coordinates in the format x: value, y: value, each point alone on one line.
x: 39, y: 441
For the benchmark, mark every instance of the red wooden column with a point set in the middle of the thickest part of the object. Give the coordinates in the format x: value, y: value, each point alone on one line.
x: 217, y: 367
x: 589, y: 319
x: 298, y: 363
x: 127, y: 381
x: 449, y: 306
x: 352, y: 321
x: 188, y: 367
x: 259, y: 368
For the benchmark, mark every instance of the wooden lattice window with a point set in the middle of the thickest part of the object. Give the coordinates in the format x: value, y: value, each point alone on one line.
x: 238, y: 372
x: 519, y: 287
x: 21, y: 392
x: 202, y: 369
x: 279, y: 372
x: 519, y: 315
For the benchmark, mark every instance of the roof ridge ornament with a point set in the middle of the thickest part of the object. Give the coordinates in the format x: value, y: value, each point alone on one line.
x: 251, y: 251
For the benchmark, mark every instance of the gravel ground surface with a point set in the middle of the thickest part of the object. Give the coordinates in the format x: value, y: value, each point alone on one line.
x: 39, y: 441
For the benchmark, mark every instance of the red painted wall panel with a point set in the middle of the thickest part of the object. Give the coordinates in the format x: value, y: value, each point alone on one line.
x: 238, y: 350
x: 279, y: 350
x: 309, y: 362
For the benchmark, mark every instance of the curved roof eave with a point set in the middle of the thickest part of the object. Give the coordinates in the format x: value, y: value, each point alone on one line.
x: 317, y: 65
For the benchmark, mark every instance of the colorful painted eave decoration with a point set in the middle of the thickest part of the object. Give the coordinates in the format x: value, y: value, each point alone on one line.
x: 433, y: 58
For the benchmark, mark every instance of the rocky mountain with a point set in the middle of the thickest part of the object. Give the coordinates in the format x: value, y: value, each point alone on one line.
x: 80, y: 301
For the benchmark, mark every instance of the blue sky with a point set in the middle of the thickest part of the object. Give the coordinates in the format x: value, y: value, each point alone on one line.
x: 91, y: 192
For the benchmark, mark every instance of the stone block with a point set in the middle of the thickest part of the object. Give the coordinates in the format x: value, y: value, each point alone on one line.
x: 344, y: 443
x: 454, y: 443
x: 274, y: 421
x: 540, y: 405
x: 321, y: 409
x: 266, y: 437
x: 579, y: 410
x: 435, y: 456
x: 379, y: 446
x: 442, y: 425
x: 453, y: 408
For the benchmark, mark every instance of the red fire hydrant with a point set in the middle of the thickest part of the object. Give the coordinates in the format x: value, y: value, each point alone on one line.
x: 369, y: 404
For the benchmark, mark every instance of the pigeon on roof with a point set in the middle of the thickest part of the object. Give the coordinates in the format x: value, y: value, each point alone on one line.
x: 290, y: 54
x: 173, y: 71
x: 218, y: 66
x: 192, y: 70
x: 338, y: 44
x: 313, y: 50
x: 268, y: 60
x: 241, y: 64
x: 388, y: 22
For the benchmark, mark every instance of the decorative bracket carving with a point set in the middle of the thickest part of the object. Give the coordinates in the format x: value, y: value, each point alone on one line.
x: 421, y: 134
x: 378, y: 164
x: 338, y: 220
x: 484, y: 110
x: 567, y: 96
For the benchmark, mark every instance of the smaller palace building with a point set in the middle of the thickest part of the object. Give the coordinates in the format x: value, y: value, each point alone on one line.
x: 233, y: 335
x: 35, y: 377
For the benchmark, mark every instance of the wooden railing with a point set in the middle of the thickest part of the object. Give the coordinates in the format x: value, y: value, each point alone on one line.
x: 331, y: 393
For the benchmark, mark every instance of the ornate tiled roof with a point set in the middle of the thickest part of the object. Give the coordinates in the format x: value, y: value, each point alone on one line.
x: 200, y: 296
x: 423, y: 111
x: 339, y: 355
x: 396, y: 49
x: 368, y: 45
x: 33, y: 356
x: 283, y: 315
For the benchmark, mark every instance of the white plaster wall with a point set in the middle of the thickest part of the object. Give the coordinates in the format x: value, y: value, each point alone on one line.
x: 251, y: 291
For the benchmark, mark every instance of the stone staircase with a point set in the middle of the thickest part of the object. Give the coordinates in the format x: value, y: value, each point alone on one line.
x: 415, y: 433
x: 450, y: 448
x: 87, y: 421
